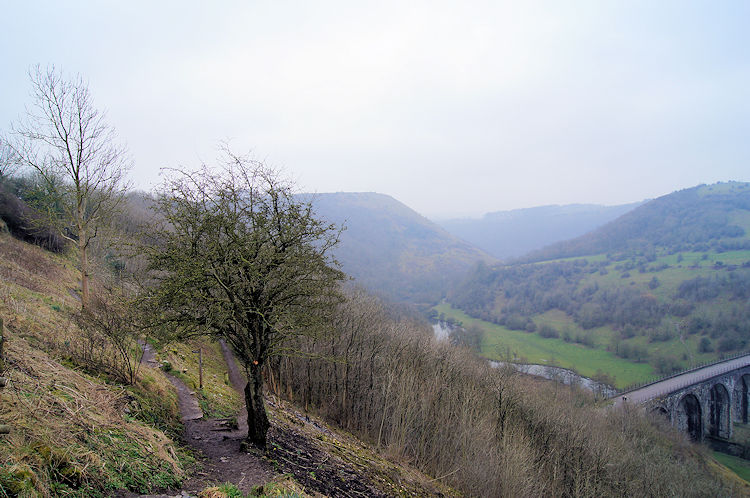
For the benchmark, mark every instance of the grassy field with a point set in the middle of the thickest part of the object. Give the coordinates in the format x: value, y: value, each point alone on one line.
x: 681, y: 349
x: 500, y: 343
x: 737, y: 465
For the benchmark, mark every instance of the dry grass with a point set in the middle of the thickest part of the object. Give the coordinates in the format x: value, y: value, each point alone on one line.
x: 72, y: 432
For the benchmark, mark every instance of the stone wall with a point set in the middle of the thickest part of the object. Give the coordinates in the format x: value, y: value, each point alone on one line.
x: 709, y: 407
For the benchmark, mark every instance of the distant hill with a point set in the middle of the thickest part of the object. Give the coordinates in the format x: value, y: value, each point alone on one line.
x: 702, y: 218
x: 393, y: 250
x: 510, y: 234
x: 666, y: 284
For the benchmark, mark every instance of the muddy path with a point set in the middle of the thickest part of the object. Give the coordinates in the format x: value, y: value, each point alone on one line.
x: 216, y: 442
x: 295, y: 446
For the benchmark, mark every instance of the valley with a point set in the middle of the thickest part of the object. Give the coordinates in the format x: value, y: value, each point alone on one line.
x: 375, y: 249
x: 644, y: 309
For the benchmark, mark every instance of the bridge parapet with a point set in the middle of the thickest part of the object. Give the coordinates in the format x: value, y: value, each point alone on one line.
x: 693, y: 368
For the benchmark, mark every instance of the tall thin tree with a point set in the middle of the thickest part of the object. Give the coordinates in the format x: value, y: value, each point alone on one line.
x: 64, y: 136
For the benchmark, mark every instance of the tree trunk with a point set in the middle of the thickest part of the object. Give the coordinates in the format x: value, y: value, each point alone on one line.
x: 82, y: 249
x: 257, y: 421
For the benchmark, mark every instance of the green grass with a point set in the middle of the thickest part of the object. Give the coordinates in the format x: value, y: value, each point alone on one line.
x: 737, y: 465
x: 217, y: 399
x: 532, y: 348
x: 502, y: 343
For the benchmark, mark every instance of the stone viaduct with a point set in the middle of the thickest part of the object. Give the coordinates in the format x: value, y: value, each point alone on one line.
x: 701, y: 402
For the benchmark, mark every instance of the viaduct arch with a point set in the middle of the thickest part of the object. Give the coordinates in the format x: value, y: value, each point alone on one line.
x: 704, y: 402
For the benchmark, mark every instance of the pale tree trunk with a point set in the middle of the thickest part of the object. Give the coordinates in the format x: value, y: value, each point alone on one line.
x: 83, y: 250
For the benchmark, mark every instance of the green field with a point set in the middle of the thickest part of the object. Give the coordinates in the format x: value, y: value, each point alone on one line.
x: 670, y: 348
x: 737, y: 465
x: 500, y: 343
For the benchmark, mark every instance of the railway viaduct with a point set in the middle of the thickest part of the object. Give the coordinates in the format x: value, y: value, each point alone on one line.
x: 703, y: 401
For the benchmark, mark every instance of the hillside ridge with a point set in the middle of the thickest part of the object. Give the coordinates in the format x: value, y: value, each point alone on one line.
x: 393, y: 250
x: 513, y: 233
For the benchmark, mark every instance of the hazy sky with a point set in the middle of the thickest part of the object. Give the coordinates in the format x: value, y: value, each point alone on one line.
x: 451, y: 107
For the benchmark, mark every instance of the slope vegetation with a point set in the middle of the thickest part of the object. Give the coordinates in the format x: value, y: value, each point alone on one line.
x: 77, y: 430
x: 392, y: 250
x: 665, y: 286
x: 511, y: 234
x: 73, y: 431
x: 708, y: 217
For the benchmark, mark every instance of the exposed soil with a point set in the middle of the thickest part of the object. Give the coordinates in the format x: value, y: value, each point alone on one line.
x: 221, y: 460
x: 294, y: 453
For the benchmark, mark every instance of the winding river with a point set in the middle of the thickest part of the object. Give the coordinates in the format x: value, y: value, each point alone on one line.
x: 559, y: 374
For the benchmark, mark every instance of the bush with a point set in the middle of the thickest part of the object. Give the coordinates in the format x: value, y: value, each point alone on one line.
x: 26, y: 224
x: 547, y: 331
x: 705, y: 346
x: 729, y: 343
x: 665, y: 364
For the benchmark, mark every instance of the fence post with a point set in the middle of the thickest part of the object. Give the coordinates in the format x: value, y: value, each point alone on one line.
x: 4, y: 429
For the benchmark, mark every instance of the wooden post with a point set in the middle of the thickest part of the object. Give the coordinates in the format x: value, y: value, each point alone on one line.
x: 2, y: 339
x: 200, y: 367
x: 4, y: 429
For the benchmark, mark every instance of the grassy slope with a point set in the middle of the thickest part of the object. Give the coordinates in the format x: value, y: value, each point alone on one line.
x: 76, y: 433
x: 737, y: 465
x: 217, y: 399
x: 535, y: 349
x: 71, y: 430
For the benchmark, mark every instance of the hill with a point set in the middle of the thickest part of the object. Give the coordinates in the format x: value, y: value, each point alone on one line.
x: 510, y: 234
x: 77, y: 429
x: 392, y: 250
x: 707, y: 217
x: 662, y: 287
x: 80, y: 430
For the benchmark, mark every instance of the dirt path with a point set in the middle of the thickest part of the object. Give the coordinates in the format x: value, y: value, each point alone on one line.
x: 217, y: 444
x: 186, y: 400
x: 295, y: 446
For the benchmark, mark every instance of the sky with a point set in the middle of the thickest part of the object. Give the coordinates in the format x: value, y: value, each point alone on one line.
x: 453, y: 108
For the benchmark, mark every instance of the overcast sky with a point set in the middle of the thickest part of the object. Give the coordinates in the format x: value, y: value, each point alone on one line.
x: 454, y: 108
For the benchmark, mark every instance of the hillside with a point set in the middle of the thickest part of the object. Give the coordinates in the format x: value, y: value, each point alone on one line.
x: 663, y: 287
x: 707, y: 217
x: 392, y: 250
x: 510, y: 234
x: 79, y: 431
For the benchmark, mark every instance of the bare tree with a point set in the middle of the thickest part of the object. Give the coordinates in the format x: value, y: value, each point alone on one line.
x: 65, y: 136
x: 8, y: 160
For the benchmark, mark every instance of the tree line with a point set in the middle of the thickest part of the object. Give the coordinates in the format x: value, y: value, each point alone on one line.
x: 486, y: 431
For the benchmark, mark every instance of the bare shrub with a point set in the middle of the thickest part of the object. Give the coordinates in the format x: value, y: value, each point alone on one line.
x: 488, y: 432
x: 107, y: 342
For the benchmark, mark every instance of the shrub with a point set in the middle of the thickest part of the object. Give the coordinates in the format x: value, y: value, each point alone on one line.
x: 547, y: 331
x: 705, y: 346
x: 26, y: 224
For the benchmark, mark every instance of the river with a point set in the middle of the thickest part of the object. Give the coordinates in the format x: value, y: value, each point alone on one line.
x: 563, y: 375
